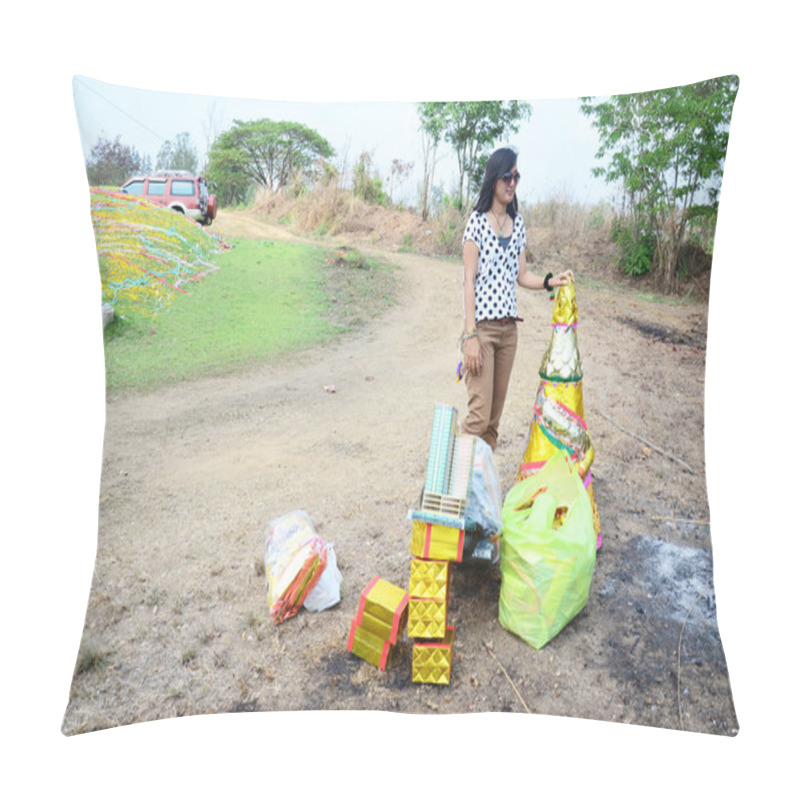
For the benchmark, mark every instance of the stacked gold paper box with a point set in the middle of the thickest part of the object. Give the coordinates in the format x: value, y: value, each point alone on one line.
x: 437, y: 540
x: 379, y: 622
x: 558, y: 415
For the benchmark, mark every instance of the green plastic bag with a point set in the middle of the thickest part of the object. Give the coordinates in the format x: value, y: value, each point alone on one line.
x: 547, y: 552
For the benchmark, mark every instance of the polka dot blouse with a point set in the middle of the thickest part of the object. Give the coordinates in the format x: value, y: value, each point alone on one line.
x: 498, y: 267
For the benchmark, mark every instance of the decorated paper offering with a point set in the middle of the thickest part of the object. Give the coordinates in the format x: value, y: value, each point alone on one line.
x: 431, y: 662
x: 440, y: 452
x: 558, y: 416
x: 447, y: 479
x: 294, y: 560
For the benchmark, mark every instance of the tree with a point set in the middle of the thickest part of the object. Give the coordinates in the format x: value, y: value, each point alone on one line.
x: 227, y: 172
x: 266, y: 152
x: 112, y: 163
x: 400, y: 171
x: 178, y: 154
x: 211, y: 126
x: 471, y: 128
x: 430, y: 142
x: 668, y: 149
x: 366, y: 185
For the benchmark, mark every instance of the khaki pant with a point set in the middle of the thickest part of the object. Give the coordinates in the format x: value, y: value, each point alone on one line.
x: 487, y: 390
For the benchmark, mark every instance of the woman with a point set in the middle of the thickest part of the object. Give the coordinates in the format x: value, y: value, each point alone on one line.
x: 494, y: 261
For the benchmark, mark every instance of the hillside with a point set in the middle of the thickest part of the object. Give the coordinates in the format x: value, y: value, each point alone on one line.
x: 561, y: 235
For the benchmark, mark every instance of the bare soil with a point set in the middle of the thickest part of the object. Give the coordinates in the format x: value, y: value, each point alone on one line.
x: 193, y: 473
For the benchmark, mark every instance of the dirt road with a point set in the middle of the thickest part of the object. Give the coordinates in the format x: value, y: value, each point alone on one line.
x: 193, y: 473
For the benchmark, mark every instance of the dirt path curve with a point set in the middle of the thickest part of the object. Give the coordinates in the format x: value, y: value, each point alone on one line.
x: 277, y: 422
x: 193, y: 473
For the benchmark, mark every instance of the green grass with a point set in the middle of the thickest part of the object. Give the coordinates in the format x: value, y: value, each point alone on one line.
x: 267, y: 299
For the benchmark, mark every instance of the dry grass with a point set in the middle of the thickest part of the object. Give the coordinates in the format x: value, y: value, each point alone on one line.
x: 315, y: 211
x: 91, y: 655
x: 561, y: 233
x: 333, y: 211
x: 559, y: 223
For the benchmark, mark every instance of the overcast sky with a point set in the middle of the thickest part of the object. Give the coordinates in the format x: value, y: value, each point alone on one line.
x: 557, y: 145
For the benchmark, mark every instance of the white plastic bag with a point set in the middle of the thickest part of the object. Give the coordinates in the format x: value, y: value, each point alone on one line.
x: 327, y: 592
x: 485, y: 497
x: 294, y: 562
x: 484, y: 517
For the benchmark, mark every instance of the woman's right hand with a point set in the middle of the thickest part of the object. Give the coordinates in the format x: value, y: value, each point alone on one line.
x: 472, y: 355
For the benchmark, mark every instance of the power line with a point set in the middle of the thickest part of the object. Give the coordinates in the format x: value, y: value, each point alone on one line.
x: 158, y: 136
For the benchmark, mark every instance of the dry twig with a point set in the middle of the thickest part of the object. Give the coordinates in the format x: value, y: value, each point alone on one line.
x: 681, y: 519
x: 649, y: 444
x: 508, y: 677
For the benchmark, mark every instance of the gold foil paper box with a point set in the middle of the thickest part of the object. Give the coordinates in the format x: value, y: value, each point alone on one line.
x: 440, y: 542
x: 388, y: 631
x: 427, y: 618
x: 432, y: 662
x: 369, y: 646
x: 386, y: 603
x: 379, y: 622
x: 429, y: 579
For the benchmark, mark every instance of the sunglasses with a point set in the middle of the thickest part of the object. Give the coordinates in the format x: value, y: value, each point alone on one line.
x: 507, y: 177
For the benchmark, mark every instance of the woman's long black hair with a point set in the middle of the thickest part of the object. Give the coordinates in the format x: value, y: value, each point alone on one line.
x: 500, y: 161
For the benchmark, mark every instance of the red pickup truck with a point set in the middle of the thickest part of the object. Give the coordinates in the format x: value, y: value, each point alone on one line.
x: 181, y: 191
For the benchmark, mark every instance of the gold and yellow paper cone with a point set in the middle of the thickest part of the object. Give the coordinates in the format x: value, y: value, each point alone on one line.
x: 565, y: 311
x: 558, y: 416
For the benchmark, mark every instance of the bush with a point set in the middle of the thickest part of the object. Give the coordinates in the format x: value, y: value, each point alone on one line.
x: 448, y: 226
x: 637, y: 250
x: 367, y: 187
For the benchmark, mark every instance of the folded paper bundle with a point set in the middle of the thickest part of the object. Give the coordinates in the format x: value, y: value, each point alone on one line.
x: 294, y: 561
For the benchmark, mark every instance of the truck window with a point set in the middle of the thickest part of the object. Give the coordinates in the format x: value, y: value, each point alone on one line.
x: 183, y: 188
x: 134, y: 187
x: 156, y: 188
